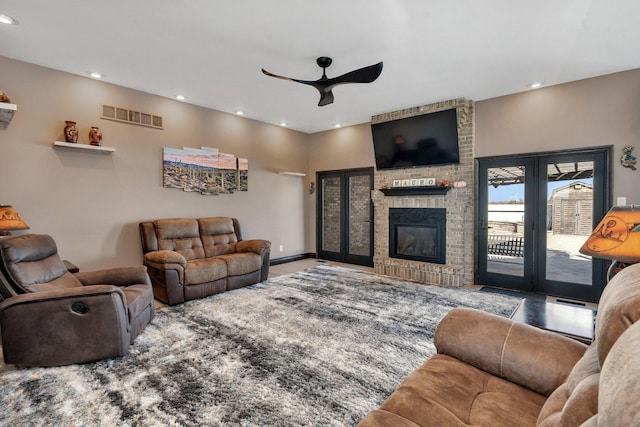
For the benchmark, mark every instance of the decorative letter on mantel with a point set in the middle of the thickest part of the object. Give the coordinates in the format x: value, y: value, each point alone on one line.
x: 204, y: 170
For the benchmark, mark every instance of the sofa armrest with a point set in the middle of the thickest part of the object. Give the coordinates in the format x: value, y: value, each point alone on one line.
x: 123, y: 276
x: 533, y: 358
x: 257, y: 246
x: 73, y: 325
x: 167, y: 260
x: 165, y: 257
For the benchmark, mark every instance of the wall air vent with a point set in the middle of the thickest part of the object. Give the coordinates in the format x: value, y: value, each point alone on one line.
x: 119, y: 114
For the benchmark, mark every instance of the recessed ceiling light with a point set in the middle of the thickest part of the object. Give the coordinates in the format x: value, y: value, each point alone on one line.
x: 95, y: 75
x: 181, y: 97
x: 283, y: 124
x: 337, y: 125
x: 535, y: 85
x: 240, y: 113
x: 6, y: 19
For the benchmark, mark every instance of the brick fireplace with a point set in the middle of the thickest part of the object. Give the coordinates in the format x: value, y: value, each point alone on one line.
x: 456, y: 265
x: 418, y: 234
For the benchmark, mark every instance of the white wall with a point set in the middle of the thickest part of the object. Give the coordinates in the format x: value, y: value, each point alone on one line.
x: 350, y: 147
x: 595, y: 112
x: 91, y: 203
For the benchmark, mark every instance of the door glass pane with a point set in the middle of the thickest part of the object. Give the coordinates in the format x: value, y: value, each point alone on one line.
x: 505, y: 221
x: 569, y: 221
x: 331, y: 214
x: 359, y: 215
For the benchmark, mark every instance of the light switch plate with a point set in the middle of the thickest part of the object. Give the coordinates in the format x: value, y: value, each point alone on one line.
x: 621, y: 201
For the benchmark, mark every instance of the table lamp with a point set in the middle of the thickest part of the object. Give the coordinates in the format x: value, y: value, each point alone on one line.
x: 10, y: 220
x: 616, y: 237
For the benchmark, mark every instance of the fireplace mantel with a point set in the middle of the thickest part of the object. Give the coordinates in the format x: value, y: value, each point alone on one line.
x: 415, y: 191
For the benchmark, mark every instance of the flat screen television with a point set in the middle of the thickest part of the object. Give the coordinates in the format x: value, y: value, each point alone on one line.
x: 424, y: 140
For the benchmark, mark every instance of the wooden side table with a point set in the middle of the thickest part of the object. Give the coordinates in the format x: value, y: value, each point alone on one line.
x: 572, y: 321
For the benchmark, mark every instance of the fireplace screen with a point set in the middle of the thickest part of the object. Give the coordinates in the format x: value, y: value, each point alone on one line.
x: 418, y: 234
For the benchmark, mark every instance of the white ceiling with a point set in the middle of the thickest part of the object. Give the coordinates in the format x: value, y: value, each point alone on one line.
x: 212, y: 50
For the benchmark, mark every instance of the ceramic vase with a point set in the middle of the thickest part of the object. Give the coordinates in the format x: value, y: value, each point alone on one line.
x: 95, y: 136
x: 70, y: 132
x: 4, y: 97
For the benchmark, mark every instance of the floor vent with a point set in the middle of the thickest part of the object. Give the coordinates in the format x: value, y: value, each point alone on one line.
x: 564, y: 301
x: 126, y: 115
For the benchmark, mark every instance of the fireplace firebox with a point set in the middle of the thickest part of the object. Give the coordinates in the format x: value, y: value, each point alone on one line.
x: 418, y: 234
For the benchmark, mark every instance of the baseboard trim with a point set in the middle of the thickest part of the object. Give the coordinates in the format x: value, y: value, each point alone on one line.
x: 291, y: 258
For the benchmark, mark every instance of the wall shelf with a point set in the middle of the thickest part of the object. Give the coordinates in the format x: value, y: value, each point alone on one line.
x: 6, y: 114
x: 415, y: 191
x: 88, y: 147
x: 292, y: 173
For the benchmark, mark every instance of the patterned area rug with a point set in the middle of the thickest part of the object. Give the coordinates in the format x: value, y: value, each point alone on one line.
x: 321, y: 347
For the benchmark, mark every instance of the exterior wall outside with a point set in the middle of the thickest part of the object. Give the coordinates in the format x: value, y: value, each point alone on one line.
x: 572, y: 210
x: 359, y: 239
x: 91, y: 203
x: 331, y: 202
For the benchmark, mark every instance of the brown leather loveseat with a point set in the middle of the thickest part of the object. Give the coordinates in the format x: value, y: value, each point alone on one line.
x: 491, y: 371
x: 190, y: 258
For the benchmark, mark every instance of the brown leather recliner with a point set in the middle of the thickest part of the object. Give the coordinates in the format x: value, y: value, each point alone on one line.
x: 51, y: 317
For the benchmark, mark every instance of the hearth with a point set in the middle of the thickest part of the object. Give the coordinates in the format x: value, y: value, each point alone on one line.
x: 418, y: 234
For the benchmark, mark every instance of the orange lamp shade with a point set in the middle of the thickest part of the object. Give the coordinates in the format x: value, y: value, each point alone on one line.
x: 10, y: 219
x: 617, y: 236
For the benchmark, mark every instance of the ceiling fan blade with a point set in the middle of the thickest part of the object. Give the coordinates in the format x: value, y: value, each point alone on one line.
x: 324, y: 85
x: 326, y: 98
x: 361, y: 75
x: 306, y: 82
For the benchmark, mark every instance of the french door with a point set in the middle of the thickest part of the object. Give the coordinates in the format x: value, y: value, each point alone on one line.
x: 345, y: 216
x: 534, y: 214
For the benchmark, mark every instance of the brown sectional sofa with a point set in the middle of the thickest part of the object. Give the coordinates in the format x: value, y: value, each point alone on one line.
x: 491, y: 371
x: 189, y: 258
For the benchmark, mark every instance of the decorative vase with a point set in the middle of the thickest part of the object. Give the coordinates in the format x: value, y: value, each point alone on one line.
x: 95, y: 136
x: 4, y: 97
x: 70, y: 132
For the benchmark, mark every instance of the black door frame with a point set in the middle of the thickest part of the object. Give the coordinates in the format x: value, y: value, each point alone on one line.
x: 522, y: 283
x: 534, y: 278
x: 343, y: 255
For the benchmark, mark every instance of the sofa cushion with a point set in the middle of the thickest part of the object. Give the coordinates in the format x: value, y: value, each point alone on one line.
x: 218, y: 236
x: 180, y: 235
x: 618, y: 308
x: 32, y: 261
x: 619, y: 385
x: 242, y: 263
x: 204, y: 270
x: 447, y: 392
x: 576, y: 400
x: 379, y: 417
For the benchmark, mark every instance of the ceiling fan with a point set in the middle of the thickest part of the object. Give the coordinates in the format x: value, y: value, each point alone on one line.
x: 325, y: 85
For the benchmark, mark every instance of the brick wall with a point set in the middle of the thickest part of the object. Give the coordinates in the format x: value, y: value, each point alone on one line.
x: 459, y: 203
x: 359, y: 215
x: 331, y: 215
